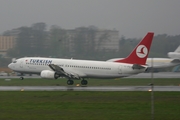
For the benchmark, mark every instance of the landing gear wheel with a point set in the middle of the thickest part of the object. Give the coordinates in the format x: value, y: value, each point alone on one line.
x: 70, y: 82
x: 22, y: 78
x: 84, y: 82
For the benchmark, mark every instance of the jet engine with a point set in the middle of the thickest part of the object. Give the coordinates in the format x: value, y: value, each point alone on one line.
x: 49, y: 74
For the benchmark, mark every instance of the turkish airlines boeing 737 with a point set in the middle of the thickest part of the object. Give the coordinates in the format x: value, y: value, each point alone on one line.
x: 80, y: 69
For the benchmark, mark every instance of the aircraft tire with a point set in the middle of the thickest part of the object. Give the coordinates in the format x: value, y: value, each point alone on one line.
x: 22, y: 78
x: 84, y: 82
x: 70, y: 82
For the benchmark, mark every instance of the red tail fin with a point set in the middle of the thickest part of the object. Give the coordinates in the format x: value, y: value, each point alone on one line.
x: 140, y: 52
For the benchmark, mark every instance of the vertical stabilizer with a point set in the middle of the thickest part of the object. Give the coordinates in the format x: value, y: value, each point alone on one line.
x: 140, y: 52
x: 178, y: 49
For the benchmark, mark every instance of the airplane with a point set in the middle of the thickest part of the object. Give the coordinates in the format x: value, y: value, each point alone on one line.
x: 160, y: 62
x: 53, y: 68
x: 157, y: 62
x: 175, y: 54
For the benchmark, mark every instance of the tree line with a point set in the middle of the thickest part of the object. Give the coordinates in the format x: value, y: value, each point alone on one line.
x: 161, y: 45
x: 37, y: 41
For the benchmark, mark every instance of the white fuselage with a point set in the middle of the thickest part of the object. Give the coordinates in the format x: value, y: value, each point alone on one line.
x: 84, y: 68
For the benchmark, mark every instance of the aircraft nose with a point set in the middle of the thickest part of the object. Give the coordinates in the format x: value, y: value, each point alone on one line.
x: 10, y: 66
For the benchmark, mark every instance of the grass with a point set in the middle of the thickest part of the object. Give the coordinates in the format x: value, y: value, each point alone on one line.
x: 69, y: 105
x: 92, y: 82
x: 84, y: 105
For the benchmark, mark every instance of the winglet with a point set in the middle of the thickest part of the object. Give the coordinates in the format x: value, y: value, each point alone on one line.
x: 140, y: 52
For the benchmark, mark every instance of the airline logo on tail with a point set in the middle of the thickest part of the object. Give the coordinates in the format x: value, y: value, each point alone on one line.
x: 141, y: 51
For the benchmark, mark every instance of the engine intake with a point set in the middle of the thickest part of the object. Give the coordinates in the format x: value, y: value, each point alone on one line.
x: 49, y: 74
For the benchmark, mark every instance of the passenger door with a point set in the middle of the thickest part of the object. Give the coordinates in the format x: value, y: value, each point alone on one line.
x: 21, y: 64
x: 120, y: 69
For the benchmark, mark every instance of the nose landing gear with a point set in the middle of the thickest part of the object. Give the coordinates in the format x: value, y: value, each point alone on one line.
x: 22, y: 78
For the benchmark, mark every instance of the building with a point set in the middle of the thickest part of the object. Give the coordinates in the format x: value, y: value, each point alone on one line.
x: 84, y: 37
x: 103, y: 39
x: 107, y: 40
x: 6, y: 43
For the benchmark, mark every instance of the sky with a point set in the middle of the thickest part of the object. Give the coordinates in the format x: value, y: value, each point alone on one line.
x: 132, y: 18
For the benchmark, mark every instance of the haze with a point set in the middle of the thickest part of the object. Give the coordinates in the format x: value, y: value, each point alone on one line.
x: 133, y: 18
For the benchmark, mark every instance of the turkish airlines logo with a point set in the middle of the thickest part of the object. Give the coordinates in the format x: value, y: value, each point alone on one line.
x: 141, y: 51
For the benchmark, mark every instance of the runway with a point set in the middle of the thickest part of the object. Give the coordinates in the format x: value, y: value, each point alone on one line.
x: 141, y: 75
x: 97, y: 88
x: 157, y: 75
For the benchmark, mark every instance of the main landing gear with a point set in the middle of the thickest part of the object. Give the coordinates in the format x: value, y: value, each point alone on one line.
x: 83, y: 82
x: 70, y: 82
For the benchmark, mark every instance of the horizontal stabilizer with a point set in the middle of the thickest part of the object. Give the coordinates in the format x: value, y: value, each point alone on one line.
x: 175, y: 61
x: 137, y: 66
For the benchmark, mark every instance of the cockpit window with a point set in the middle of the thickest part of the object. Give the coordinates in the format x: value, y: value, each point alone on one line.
x: 15, y: 61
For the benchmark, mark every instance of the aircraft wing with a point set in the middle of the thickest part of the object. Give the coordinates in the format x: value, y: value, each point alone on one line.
x: 67, y: 73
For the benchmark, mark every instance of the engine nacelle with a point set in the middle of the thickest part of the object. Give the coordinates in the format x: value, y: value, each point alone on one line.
x: 49, y: 74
